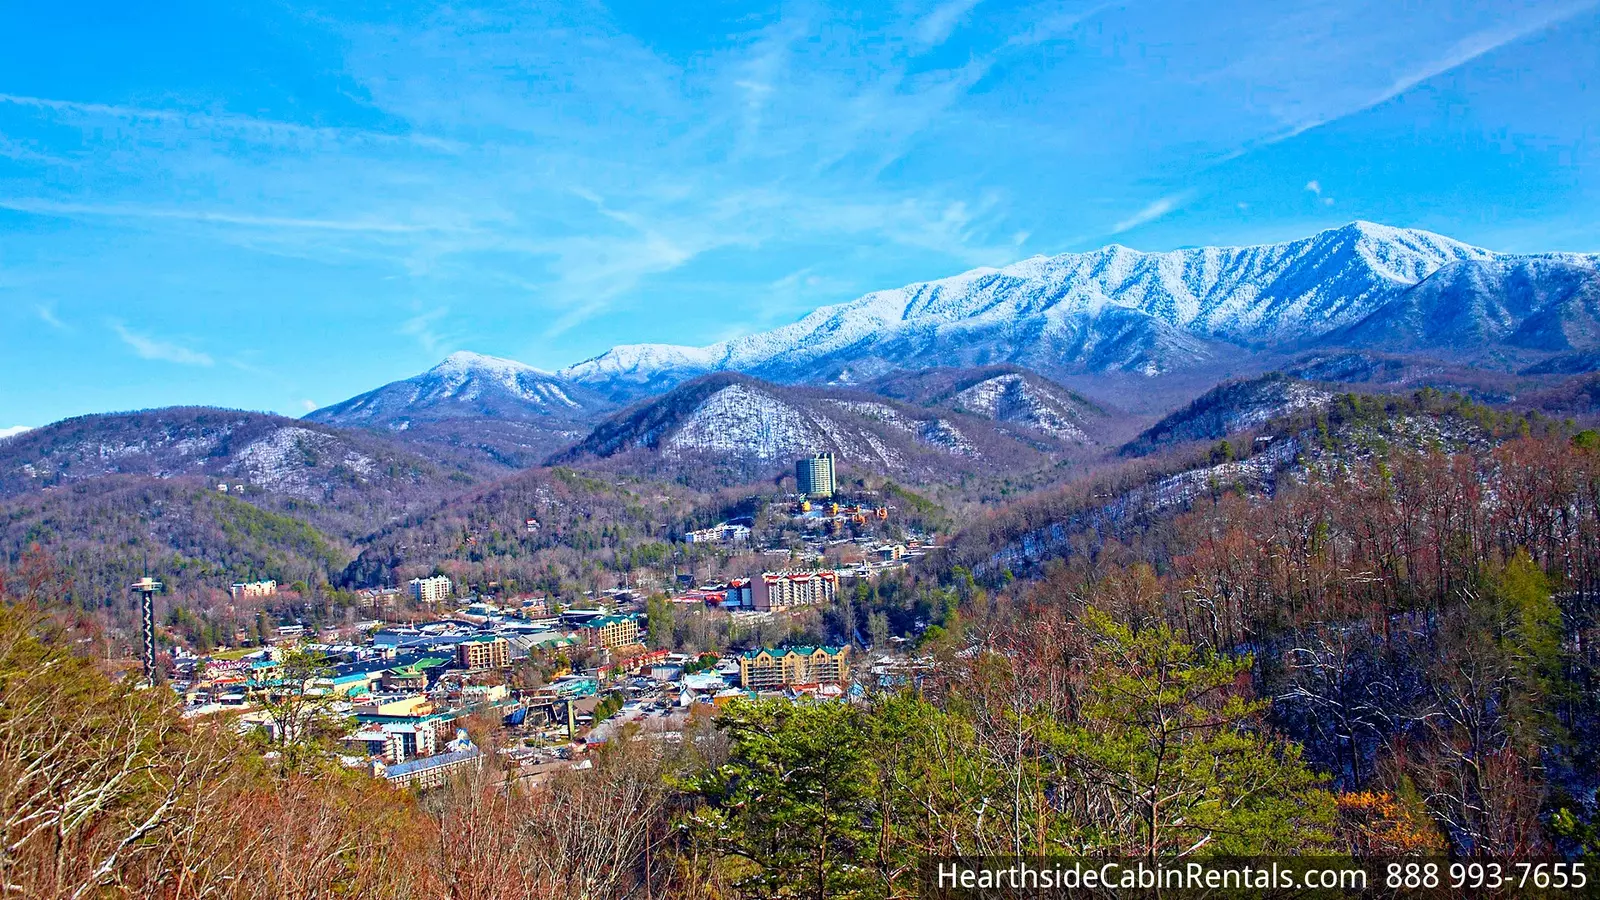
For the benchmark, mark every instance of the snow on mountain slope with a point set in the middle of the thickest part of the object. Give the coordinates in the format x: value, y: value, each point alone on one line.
x: 464, y: 384
x: 477, y: 407
x: 1227, y: 408
x: 1540, y: 302
x: 741, y: 420
x: 727, y: 425
x: 641, y: 366
x: 352, y: 479
x: 1108, y: 309
x: 1013, y: 398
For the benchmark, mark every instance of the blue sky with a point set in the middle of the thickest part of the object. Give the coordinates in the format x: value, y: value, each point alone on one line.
x: 279, y: 205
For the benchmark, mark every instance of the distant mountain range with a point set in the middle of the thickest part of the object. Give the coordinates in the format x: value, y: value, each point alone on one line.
x: 954, y: 379
x: 1121, y: 310
x: 494, y: 409
x: 1364, y: 303
x: 970, y: 391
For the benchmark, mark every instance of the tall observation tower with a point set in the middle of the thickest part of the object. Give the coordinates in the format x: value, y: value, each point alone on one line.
x: 148, y: 588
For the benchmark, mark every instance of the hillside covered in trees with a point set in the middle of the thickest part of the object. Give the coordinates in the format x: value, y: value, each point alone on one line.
x: 1384, y: 652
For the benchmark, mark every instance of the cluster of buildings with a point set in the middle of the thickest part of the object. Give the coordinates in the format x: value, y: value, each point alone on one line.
x: 768, y: 592
x: 409, y: 688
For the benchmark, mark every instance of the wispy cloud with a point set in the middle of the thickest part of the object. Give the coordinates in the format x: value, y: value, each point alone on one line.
x: 47, y: 315
x: 147, y: 347
x: 1474, y: 46
x: 1154, y: 211
x: 1058, y: 23
x: 13, y: 431
x: 54, y: 208
x: 262, y: 129
x: 936, y: 27
x: 1315, y: 187
x: 424, y: 329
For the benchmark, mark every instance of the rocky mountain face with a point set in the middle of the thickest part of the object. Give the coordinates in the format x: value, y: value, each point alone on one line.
x: 1120, y: 310
x: 732, y: 426
x: 488, y: 409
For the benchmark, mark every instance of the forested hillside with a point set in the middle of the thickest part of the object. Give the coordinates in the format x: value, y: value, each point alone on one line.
x: 1392, y: 656
x: 109, y: 532
x: 550, y: 529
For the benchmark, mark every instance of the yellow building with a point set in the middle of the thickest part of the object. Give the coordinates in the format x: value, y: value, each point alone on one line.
x: 610, y: 631
x: 770, y: 669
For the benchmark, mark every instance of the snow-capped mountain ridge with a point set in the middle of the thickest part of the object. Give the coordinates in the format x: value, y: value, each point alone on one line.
x: 1108, y: 309
x: 464, y: 384
x: 506, y: 412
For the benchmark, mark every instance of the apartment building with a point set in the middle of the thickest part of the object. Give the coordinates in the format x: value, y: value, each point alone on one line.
x: 784, y: 590
x: 770, y: 669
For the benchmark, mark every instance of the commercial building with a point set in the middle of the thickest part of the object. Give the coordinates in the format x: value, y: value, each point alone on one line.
x: 814, y: 476
x: 769, y: 669
x: 412, y: 676
x: 429, y: 590
x: 605, y: 632
x: 485, y: 652
x: 783, y: 590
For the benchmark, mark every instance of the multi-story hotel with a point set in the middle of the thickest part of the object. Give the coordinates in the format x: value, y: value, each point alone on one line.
x: 484, y: 652
x: 429, y: 590
x: 782, y: 590
x: 245, y: 589
x: 606, y: 632
x: 768, y: 669
x: 814, y: 476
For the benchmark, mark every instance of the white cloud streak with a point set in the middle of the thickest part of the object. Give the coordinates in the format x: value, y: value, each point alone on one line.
x: 68, y: 210
x: 47, y: 315
x: 937, y: 26
x: 1154, y: 211
x: 268, y: 130
x: 146, y: 347
x: 1472, y: 47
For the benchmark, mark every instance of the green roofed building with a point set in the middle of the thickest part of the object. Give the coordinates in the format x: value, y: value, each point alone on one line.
x: 413, y: 676
x: 606, y: 632
x: 769, y: 669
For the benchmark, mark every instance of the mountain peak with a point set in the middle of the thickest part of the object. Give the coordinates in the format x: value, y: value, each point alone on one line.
x: 465, y: 361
